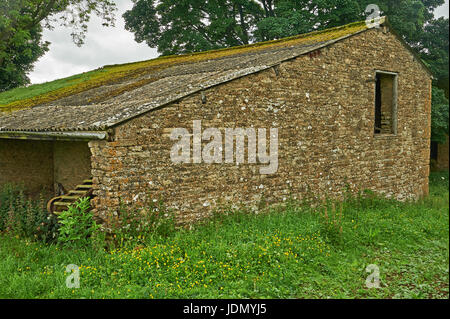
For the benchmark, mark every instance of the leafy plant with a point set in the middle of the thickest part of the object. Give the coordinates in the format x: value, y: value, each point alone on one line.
x: 77, y: 224
x: 24, y: 217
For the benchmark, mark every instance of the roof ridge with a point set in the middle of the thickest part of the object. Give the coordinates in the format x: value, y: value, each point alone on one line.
x: 250, y: 45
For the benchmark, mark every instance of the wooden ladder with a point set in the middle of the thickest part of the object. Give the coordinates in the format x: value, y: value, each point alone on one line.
x: 59, y: 204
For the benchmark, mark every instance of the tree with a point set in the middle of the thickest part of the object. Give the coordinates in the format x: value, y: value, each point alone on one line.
x: 189, y: 25
x: 180, y: 26
x: 18, y: 54
x: 21, y: 25
x: 434, y: 48
x: 434, y: 51
x: 296, y: 17
x: 439, y: 116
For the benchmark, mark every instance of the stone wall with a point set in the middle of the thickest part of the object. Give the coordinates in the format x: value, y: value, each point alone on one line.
x: 28, y: 162
x: 40, y: 164
x: 323, y: 107
x: 72, y: 163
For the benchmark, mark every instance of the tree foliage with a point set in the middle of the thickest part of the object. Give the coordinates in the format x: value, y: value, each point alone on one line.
x: 433, y: 49
x: 439, y: 116
x: 179, y: 26
x: 21, y: 25
x: 175, y: 26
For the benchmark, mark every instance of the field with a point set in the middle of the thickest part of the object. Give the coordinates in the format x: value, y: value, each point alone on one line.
x: 292, y: 252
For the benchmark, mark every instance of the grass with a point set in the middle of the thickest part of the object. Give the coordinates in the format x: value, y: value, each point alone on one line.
x: 288, y: 253
x: 31, y: 91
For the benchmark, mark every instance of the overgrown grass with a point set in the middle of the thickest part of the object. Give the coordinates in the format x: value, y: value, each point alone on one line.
x: 289, y: 253
x: 31, y: 91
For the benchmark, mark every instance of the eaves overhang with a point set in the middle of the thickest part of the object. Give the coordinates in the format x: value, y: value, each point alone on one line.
x: 55, y: 136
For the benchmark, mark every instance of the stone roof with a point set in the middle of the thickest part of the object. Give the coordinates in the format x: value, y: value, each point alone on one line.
x: 113, y: 94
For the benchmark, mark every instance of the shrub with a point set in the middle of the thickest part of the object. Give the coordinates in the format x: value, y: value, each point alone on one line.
x: 24, y: 217
x: 77, y: 224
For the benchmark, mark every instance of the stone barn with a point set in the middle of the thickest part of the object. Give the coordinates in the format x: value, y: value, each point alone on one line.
x: 347, y: 107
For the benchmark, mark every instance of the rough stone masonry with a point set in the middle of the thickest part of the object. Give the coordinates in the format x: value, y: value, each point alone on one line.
x: 323, y: 106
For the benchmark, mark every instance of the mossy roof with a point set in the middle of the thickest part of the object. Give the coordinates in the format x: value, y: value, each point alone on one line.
x: 112, y: 94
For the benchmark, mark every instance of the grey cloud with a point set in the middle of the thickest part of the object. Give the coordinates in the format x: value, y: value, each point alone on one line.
x: 102, y: 46
x: 442, y: 11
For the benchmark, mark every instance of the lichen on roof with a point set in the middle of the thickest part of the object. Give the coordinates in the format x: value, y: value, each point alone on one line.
x: 90, y: 87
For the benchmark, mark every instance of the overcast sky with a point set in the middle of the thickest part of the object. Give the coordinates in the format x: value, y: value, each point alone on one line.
x: 102, y: 46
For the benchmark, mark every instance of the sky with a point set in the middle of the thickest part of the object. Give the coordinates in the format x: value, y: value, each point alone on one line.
x: 103, y: 46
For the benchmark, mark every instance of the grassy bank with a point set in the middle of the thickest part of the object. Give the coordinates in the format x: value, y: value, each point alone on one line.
x: 292, y: 253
